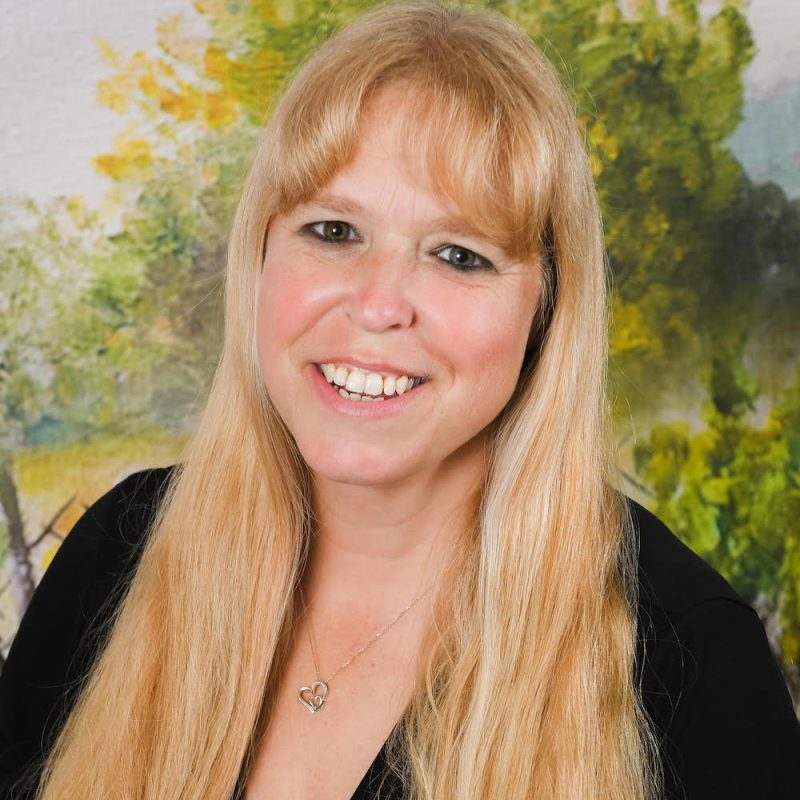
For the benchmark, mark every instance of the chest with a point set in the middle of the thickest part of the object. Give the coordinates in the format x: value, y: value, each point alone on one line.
x: 325, y: 755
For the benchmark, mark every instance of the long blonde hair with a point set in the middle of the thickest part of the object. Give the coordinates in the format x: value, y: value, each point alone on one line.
x: 527, y: 686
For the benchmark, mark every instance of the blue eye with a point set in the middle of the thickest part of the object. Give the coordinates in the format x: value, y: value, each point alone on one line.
x: 463, y: 259
x: 333, y: 231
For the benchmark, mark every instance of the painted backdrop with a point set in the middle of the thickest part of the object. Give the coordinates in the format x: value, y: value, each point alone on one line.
x: 126, y: 133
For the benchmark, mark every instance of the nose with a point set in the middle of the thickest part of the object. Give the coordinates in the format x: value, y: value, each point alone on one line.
x: 378, y: 297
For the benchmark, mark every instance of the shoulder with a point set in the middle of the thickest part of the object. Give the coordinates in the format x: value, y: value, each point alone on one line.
x: 672, y: 576
x: 63, y: 627
x: 120, y: 512
x: 105, y: 543
x: 709, y: 679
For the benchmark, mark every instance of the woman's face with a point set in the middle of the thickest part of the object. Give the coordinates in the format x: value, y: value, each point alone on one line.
x: 384, y: 281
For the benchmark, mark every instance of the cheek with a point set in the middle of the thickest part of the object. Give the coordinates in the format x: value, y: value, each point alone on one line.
x: 484, y: 337
x: 285, y: 303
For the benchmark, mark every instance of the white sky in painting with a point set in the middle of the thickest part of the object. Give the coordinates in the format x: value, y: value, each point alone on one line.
x: 52, y: 124
x: 775, y: 25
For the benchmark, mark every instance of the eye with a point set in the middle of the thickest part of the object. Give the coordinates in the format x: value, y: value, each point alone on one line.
x: 463, y: 259
x: 333, y: 231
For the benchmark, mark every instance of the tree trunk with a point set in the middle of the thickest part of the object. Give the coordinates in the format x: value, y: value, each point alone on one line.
x: 18, y: 565
x: 772, y: 626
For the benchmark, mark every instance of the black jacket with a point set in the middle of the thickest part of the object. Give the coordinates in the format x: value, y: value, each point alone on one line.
x: 708, y: 677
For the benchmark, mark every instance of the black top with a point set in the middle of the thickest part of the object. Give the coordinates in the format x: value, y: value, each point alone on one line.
x: 710, y: 681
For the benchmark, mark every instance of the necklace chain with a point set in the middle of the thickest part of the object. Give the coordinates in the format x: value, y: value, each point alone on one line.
x: 364, y: 647
x: 318, y: 690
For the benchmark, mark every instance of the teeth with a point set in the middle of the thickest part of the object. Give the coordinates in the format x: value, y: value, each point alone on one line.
x: 374, y: 385
x: 364, y: 398
x: 355, y: 381
x: 357, y: 384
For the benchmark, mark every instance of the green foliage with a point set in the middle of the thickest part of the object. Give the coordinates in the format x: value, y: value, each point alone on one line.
x: 732, y: 492
x: 168, y: 268
x: 49, y: 334
x: 658, y: 94
x: 706, y: 266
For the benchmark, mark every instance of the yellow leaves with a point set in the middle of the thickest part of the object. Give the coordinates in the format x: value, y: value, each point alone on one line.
x: 177, y: 44
x: 629, y: 330
x: 663, y: 458
x: 789, y: 577
x: 183, y: 104
x: 259, y: 71
x: 138, y: 75
x: 212, y: 7
x: 655, y: 223
x: 130, y: 158
x: 596, y: 165
x: 219, y: 109
x: 255, y: 80
x: 645, y: 179
x: 716, y: 490
x: 791, y: 646
x: 108, y: 53
x: 149, y: 85
x: 153, y: 88
x: 267, y: 10
x: 692, y: 169
x: 113, y: 94
x: 604, y: 146
x: 48, y: 556
x: 216, y: 63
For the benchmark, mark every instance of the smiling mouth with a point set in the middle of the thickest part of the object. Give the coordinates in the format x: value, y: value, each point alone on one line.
x: 361, y: 385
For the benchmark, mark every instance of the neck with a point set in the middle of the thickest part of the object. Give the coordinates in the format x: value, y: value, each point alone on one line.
x: 383, y: 545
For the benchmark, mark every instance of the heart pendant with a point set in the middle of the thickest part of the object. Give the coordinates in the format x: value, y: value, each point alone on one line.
x: 312, y: 697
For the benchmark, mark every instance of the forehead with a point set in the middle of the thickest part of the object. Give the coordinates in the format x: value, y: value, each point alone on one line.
x: 457, y: 148
x: 385, y: 173
x: 395, y: 166
x: 391, y: 140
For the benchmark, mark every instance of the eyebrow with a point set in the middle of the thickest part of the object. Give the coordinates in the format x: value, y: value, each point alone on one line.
x: 345, y: 205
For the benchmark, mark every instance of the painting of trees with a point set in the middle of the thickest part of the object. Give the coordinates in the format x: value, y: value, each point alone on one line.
x: 705, y: 265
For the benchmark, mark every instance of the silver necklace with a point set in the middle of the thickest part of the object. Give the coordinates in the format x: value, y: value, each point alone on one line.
x: 313, y: 697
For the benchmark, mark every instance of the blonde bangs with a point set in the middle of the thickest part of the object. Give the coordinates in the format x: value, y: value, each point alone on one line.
x: 453, y: 110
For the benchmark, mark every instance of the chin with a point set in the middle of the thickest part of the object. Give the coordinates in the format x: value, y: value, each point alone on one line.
x: 351, y: 465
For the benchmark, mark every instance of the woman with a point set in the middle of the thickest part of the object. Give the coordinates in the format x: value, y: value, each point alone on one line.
x: 396, y: 530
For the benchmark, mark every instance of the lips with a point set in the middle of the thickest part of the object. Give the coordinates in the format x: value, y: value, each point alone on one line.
x: 385, y: 368
x: 362, y: 406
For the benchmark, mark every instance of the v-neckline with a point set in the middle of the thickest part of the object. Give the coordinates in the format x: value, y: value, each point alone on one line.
x: 390, y: 785
x: 367, y: 788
